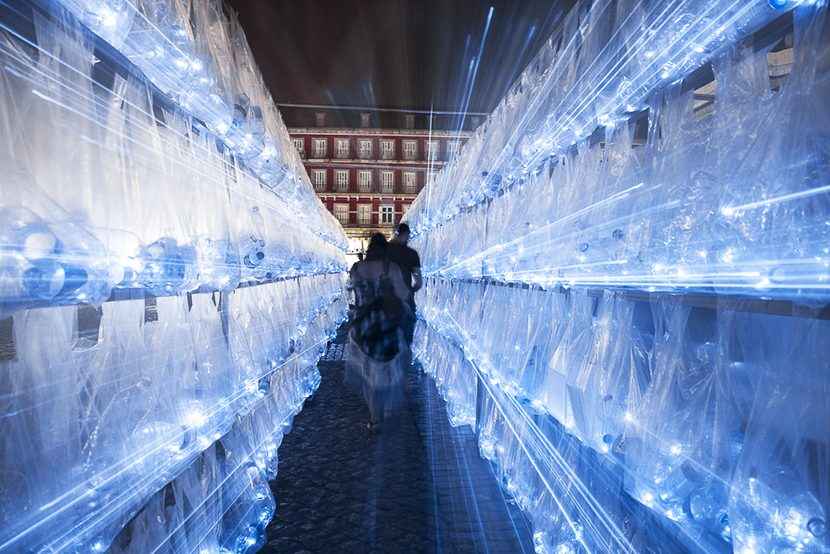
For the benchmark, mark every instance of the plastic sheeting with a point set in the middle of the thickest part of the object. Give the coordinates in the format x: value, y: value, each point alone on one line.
x: 715, y: 418
x: 736, y: 201
x: 162, y: 303
x: 633, y: 316
x: 97, y: 418
x: 198, y: 56
x: 106, y: 189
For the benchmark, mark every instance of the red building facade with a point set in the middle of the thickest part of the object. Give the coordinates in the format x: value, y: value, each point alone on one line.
x: 367, y: 178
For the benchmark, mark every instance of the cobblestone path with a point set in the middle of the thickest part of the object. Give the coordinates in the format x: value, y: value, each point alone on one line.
x: 418, y: 485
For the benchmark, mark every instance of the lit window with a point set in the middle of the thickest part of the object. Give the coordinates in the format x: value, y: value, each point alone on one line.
x: 410, y: 149
x: 433, y: 148
x: 453, y: 147
x: 342, y: 148
x: 364, y: 148
x: 299, y: 144
x: 364, y: 180
x: 364, y: 214
x: 410, y: 182
x: 319, y: 176
x: 318, y: 148
x: 387, y: 181
x: 387, y: 214
x: 341, y: 212
x: 387, y: 149
x: 341, y: 179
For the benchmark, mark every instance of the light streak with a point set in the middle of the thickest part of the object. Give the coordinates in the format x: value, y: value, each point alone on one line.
x: 731, y: 211
x: 205, y: 108
x: 719, y: 17
x: 170, y: 152
x: 65, y: 502
x: 597, y: 513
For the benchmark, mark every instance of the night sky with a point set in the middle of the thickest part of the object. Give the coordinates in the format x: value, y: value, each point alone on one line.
x: 393, y: 53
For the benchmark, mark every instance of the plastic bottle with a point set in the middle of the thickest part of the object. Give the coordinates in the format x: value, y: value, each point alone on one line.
x: 770, y: 515
x: 217, y: 263
x: 167, y: 266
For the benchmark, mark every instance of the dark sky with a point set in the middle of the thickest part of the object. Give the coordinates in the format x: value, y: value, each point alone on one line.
x: 393, y: 53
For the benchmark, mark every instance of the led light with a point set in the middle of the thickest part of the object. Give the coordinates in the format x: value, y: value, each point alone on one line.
x: 108, y: 17
x: 728, y: 256
x: 194, y: 417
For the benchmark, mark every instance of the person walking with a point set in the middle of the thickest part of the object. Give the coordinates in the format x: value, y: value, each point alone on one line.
x: 409, y: 262
x: 377, y: 353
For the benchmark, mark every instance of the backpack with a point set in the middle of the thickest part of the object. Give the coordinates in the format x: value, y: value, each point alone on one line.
x: 377, y: 319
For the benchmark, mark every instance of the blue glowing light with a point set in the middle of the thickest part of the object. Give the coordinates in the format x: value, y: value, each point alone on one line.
x: 603, y: 304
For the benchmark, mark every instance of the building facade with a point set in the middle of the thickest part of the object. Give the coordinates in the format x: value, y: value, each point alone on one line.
x: 368, y: 177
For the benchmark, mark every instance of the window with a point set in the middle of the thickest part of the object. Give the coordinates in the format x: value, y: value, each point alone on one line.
x: 410, y: 182
x: 342, y: 148
x: 341, y: 212
x: 364, y: 149
x: 319, y: 176
x: 410, y: 149
x: 341, y: 179
x: 404, y: 208
x: 387, y: 214
x: 364, y: 214
x: 364, y: 180
x: 318, y: 148
x: 433, y: 148
x: 299, y: 144
x: 453, y: 146
x: 387, y: 181
x: 387, y: 149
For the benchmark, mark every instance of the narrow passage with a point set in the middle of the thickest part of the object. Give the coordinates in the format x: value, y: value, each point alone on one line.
x: 417, y: 485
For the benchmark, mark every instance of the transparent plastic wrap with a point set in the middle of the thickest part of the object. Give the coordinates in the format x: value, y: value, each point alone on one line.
x: 652, y: 406
x: 644, y: 311
x: 601, y: 66
x: 122, y: 415
x: 725, y: 193
x: 162, y: 309
x: 199, y: 56
x: 63, y: 243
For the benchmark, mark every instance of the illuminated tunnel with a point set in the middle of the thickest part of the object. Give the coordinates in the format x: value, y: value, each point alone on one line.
x: 622, y: 340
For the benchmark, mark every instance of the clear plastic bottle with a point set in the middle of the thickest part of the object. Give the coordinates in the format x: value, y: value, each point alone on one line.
x: 168, y: 267
x: 218, y: 264
x: 770, y: 515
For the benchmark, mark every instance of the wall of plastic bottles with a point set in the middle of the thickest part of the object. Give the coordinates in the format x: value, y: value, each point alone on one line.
x: 627, y: 271
x: 168, y: 280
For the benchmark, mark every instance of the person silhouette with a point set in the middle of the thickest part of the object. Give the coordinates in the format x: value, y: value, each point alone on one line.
x: 409, y: 262
x: 377, y: 352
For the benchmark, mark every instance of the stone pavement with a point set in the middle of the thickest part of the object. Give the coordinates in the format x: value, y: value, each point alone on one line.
x: 418, y: 485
